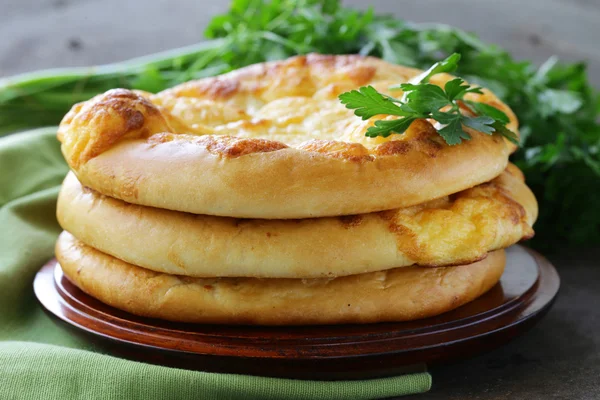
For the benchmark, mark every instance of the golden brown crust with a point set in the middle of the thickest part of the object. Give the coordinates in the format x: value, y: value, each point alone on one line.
x: 448, y: 231
x: 117, y: 115
x: 271, y: 141
x: 396, y: 295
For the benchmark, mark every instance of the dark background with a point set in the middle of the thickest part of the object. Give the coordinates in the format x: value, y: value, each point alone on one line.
x: 560, y: 357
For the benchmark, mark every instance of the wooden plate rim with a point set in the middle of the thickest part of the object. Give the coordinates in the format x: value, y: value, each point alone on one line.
x: 535, y: 300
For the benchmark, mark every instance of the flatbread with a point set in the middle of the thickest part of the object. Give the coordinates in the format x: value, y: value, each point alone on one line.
x: 272, y: 141
x: 458, y: 229
x: 396, y: 295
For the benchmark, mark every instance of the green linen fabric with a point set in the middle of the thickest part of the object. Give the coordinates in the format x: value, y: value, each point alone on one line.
x: 41, y: 360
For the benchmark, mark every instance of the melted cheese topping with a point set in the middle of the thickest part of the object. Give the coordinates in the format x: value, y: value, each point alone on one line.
x: 265, y: 106
x: 293, y: 101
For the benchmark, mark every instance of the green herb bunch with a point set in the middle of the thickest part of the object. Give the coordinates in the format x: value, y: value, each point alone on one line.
x: 557, y: 108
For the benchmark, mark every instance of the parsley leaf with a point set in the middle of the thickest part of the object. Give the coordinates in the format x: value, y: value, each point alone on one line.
x: 453, y: 133
x: 483, y: 124
x: 457, y: 88
x: 368, y: 102
x: 424, y: 100
x: 507, y: 133
x: 386, y: 127
x: 499, y: 118
x: 448, y: 65
x: 486, y: 109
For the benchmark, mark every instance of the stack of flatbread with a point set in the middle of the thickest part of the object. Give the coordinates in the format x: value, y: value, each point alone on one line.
x: 255, y: 197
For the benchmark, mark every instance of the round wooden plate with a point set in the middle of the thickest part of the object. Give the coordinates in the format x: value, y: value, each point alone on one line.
x: 526, y: 290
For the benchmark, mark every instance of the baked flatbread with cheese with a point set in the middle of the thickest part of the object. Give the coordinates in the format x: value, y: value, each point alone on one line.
x: 272, y: 141
x: 457, y: 229
x: 396, y: 295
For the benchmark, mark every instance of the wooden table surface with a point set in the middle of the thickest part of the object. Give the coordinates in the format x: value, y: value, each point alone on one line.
x: 559, y: 358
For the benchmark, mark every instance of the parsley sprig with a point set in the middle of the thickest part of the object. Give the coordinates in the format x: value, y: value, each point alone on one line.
x: 423, y: 100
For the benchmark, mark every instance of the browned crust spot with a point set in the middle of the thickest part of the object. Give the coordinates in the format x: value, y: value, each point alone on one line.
x: 393, y: 147
x: 162, y: 137
x: 327, y: 61
x: 517, y: 213
x: 361, y: 75
x: 420, y: 136
x: 97, y: 125
x: 232, y: 147
x: 427, y: 138
x: 225, y: 146
x: 221, y: 88
x: 406, y: 239
x: 350, y: 221
x: 354, y: 152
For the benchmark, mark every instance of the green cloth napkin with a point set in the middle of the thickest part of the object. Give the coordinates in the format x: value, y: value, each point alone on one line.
x: 41, y: 360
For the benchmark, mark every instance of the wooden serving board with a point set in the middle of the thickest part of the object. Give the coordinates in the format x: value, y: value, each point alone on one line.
x: 525, y: 292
